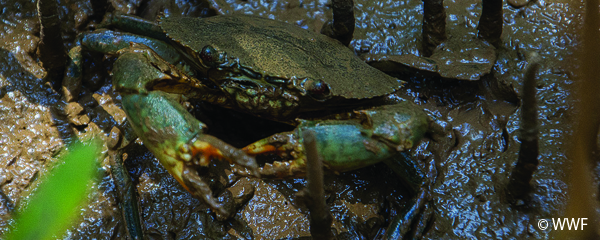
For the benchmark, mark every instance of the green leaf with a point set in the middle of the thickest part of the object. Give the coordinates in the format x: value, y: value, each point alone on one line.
x: 55, y: 204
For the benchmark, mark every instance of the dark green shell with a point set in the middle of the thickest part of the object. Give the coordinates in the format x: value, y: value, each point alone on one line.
x: 283, y: 50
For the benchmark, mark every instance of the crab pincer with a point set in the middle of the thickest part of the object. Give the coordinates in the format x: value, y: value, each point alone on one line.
x: 365, y: 138
x: 167, y: 129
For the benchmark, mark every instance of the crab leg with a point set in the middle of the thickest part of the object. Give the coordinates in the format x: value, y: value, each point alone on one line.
x: 418, y: 211
x: 127, y: 194
x: 133, y: 24
x: 167, y: 129
x: 107, y: 42
x: 415, y: 218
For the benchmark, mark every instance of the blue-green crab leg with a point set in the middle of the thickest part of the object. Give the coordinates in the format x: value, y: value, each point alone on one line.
x: 133, y: 24
x: 401, y: 224
x: 424, y: 221
x: 413, y: 221
x: 127, y: 194
x: 167, y: 129
x: 107, y: 42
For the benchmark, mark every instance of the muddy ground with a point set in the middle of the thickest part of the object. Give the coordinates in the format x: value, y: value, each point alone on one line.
x: 472, y: 157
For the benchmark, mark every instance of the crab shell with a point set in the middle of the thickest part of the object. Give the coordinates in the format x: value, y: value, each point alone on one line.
x: 271, y: 60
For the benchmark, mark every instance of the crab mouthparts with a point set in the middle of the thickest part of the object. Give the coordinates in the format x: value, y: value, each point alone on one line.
x: 265, y: 101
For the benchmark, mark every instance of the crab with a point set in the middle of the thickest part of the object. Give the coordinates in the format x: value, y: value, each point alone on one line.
x: 265, y: 68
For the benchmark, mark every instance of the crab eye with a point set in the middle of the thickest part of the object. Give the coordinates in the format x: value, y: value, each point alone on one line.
x: 210, y: 56
x: 318, y: 89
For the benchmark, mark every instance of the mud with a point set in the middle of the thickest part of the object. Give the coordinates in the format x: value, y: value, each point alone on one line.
x: 473, y: 152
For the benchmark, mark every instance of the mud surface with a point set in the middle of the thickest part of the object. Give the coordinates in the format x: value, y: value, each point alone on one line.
x: 473, y: 152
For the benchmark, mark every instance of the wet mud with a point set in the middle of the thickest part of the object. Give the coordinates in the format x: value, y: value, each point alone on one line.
x: 473, y: 150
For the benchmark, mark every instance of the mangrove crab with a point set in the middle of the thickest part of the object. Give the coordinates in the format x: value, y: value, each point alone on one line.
x: 262, y: 67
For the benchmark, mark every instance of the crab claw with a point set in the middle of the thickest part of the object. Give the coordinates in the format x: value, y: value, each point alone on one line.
x: 285, y: 145
x: 369, y: 137
x: 342, y: 145
x: 200, y: 152
x: 167, y: 129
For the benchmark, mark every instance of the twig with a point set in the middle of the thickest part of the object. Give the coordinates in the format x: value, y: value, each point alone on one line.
x: 490, y: 23
x: 342, y: 26
x: 527, y: 163
x: 51, y: 48
x: 434, y: 25
x: 320, y: 218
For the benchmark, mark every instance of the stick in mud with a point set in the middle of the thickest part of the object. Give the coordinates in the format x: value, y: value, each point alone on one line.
x: 51, y: 47
x: 519, y: 185
x: 314, y: 195
x: 434, y: 25
x: 342, y: 25
x: 490, y: 23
